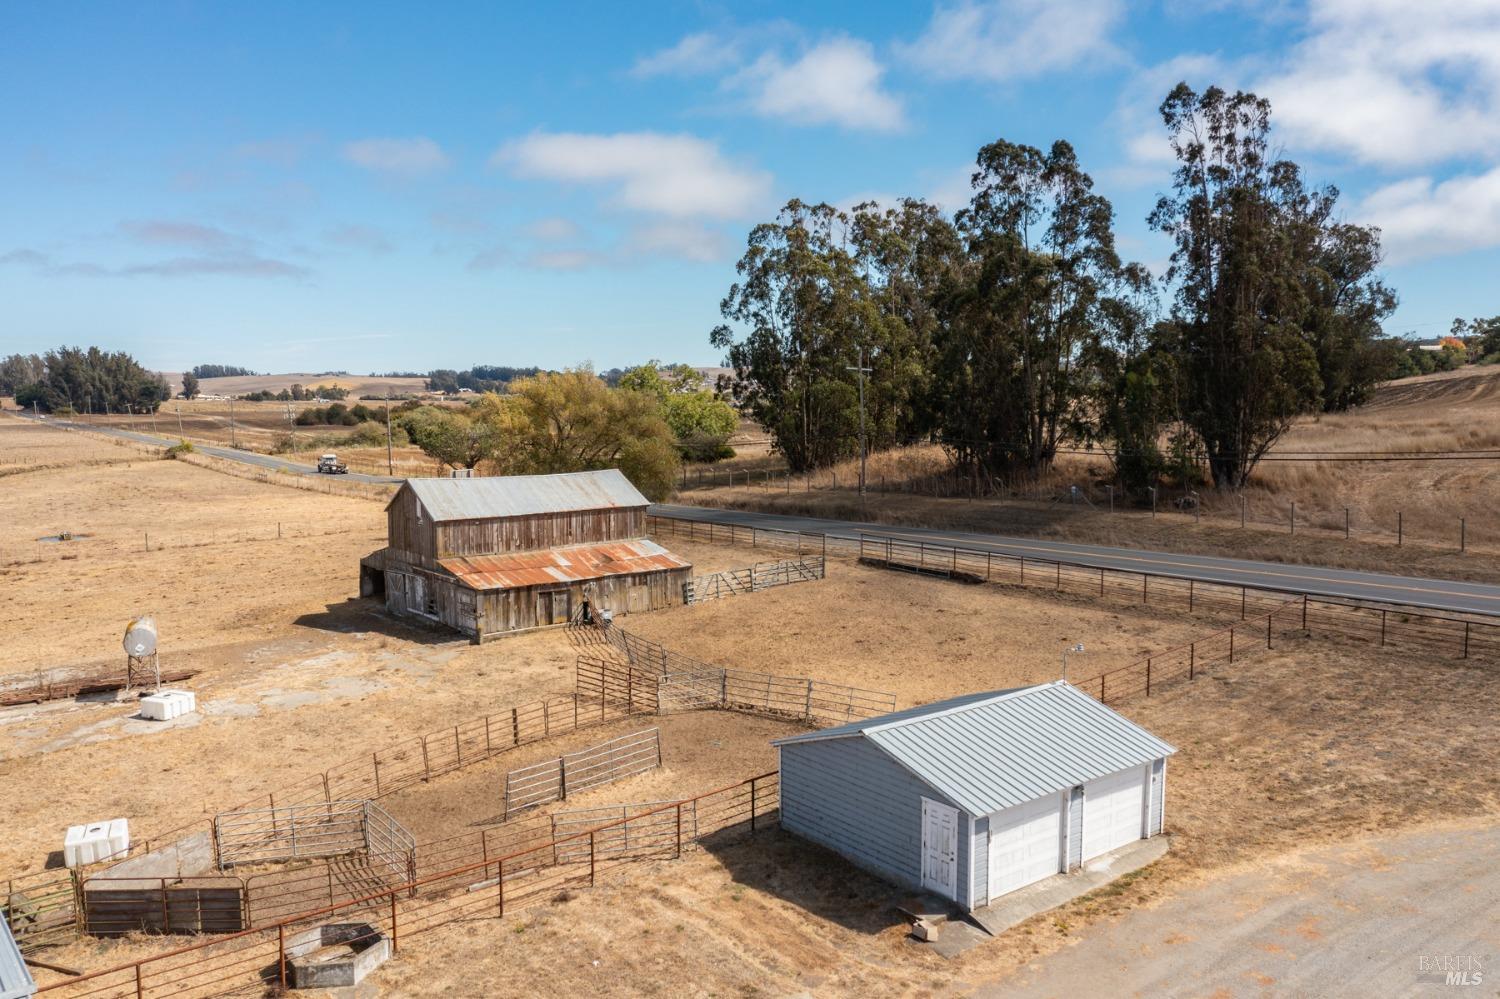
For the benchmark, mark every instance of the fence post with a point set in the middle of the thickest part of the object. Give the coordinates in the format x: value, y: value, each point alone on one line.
x: 1242, y: 603
x: 426, y: 769
x: 562, y: 780
x: 1192, y: 658
x: 1101, y: 581
x: 1101, y: 688
x: 1268, y: 630
x: 515, y: 726
x: 140, y: 991
x: 395, y: 933
x: 1346, y: 523
x: 1145, y: 579
x: 1462, y: 535
x: 591, y: 851
x: 1059, y: 577
x: 1231, y: 646
x: 1190, y: 596
x: 752, y: 804
x: 679, y: 830
x: 500, y: 883
x: 807, y: 710
x: 1294, y: 516
x: 1148, y: 676
x: 1399, y: 528
x: 281, y: 953
x: 375, y: 760
x: 1382, y: 627
x: 1466, y: 640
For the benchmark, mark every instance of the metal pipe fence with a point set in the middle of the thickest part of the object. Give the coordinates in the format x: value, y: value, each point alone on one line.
x: 484, y: 887
x: 552, y: 780
x: 752, y: 579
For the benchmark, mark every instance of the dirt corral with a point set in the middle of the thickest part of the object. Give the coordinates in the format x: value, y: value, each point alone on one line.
x: 1306, y: 745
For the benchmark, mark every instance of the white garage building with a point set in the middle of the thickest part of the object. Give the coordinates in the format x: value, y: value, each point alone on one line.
x: 977, y: 796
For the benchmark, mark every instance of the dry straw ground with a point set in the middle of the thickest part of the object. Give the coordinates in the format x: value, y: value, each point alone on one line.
x: 1326, y: 741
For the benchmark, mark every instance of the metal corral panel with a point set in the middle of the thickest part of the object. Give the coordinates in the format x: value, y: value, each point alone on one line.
x: 990, y: 752
x: 578, y: 563
x: 15, y: 978
x: 524, y: 495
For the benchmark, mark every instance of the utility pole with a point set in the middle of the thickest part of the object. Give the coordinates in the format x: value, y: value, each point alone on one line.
x: 232, y: 440
x: 390, y: 461
x: 179, y: 422
x: 291, y: 428
x: 863, y: 450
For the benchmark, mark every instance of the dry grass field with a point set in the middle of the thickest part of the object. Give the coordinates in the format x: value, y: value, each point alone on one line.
x: 1309, y: 745
x: 297, y: 676
x: 357, y: 385
x: 1442, y: 412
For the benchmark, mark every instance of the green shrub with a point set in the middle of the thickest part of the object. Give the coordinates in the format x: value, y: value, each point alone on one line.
x: 180, y: 448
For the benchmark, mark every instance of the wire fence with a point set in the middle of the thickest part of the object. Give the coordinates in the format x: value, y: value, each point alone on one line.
x: 1460, y: 532
x: 67, y: 546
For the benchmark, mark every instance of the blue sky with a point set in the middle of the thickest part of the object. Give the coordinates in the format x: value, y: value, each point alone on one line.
x: 376, y: 186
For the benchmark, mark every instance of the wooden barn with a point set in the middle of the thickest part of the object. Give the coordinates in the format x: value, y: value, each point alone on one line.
x: 491, y: 556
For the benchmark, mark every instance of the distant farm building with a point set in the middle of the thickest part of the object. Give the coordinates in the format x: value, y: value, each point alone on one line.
x: 975, y: 797
x: 490, y: 556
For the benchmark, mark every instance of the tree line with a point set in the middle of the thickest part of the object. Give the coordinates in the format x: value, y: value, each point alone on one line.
x: 1015, y: 325
x: 479, y: 378
x: 79, y: 380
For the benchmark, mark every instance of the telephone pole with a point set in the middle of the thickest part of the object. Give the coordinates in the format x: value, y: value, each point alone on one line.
x: 390, y: 461
x: 863, y: 450
x: 179, y: 422
x: 233, y: 442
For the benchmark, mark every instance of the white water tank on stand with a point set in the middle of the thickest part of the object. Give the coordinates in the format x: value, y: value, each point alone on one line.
x: 140, y: 637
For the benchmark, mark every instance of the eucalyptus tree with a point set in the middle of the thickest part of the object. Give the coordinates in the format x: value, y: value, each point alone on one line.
x: 1023, y: 313
x: 1273, y: 296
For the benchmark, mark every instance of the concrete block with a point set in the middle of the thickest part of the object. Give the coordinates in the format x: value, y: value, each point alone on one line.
x: 336, y: 955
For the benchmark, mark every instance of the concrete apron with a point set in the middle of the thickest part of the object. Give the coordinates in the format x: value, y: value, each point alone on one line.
x: 959, y: 935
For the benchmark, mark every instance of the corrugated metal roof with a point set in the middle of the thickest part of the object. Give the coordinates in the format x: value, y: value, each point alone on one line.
x: 524, y: 495
x: 15, y: 978
x: 577, y: 563
x: 986, y: 752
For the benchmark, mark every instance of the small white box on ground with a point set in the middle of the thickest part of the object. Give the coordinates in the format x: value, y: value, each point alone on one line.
x: 164, y: 705
x: 89, y: 844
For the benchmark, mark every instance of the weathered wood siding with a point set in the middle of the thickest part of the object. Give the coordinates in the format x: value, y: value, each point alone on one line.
x: 847, y: 795
x: 502, y: 611
x: 499, y: 535
x: 407, y: 532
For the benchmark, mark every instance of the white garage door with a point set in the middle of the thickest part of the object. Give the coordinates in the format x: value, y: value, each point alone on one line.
x: 1113, y: 811
x: 1025, y: 844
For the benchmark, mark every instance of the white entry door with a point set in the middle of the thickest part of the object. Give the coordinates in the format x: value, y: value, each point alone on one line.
x: 1114, y: 811
x: 1026, y: 844
x: 940, y: 848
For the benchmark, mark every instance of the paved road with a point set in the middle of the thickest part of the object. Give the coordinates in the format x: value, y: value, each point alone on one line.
x: 269, y: 461
x: 1434, y: 594
x: 1351, y: 920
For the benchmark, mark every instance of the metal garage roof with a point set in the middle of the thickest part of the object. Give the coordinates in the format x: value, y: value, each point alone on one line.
x: 986, y: 752
x: 524, y: 495
x: 15, y: 978
x: 573, y: 564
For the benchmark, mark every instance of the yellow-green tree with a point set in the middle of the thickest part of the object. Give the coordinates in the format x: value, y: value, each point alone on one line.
x: 572, y: 422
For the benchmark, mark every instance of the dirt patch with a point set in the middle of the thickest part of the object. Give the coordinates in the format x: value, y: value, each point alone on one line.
x: 701, y: 751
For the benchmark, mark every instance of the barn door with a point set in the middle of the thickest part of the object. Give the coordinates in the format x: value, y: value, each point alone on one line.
x: 940, y: 848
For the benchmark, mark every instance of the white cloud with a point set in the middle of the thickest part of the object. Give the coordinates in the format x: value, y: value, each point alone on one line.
x: 189, y: 234
x: 553, y: 230
x: 563, y: 260
x: 680, y: 176
x: 678, y: 240
x: 837, y: 82
x: 1014, y: 39
x: 359, y: 237
x: 695, y: 54
x: 1419, y: 218
x: 1393, y: 83
x: 402, y: 157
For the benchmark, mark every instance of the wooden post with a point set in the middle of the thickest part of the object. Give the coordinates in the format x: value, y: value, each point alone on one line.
x: 1268, y: 631
x: 500, y: 884
x: 1190, y: 596
x: 395, y: 933
x: 140, y: 991
x: 1382, y: 628
x: 1462, y: 535
x: 591, y: 845
x: 1231, y: 646
x: 1101, y: 581
x: 1304, y: 612
x: 1294, y: 517
x: 458, y: 752
x: 515, y: 726
x: 1466, y: 640
x: 426, y: 769
x: 375, y: 759
x: 1399, y: 528
x: 1059, y: 577
x: 487, y: 749
x: 752, y: 804
x: 1145, y: 579
x: 1101, y: 688
x: 1242, y: 603
x: 679, y: 829
x: 281, y: 953
x: 1192, y: 658
x: 1346, y: 523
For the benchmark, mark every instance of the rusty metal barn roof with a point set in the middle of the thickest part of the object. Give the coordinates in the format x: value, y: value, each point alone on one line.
x: 524, y: 495
x: 987, y: 752
x: 575, y: 564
